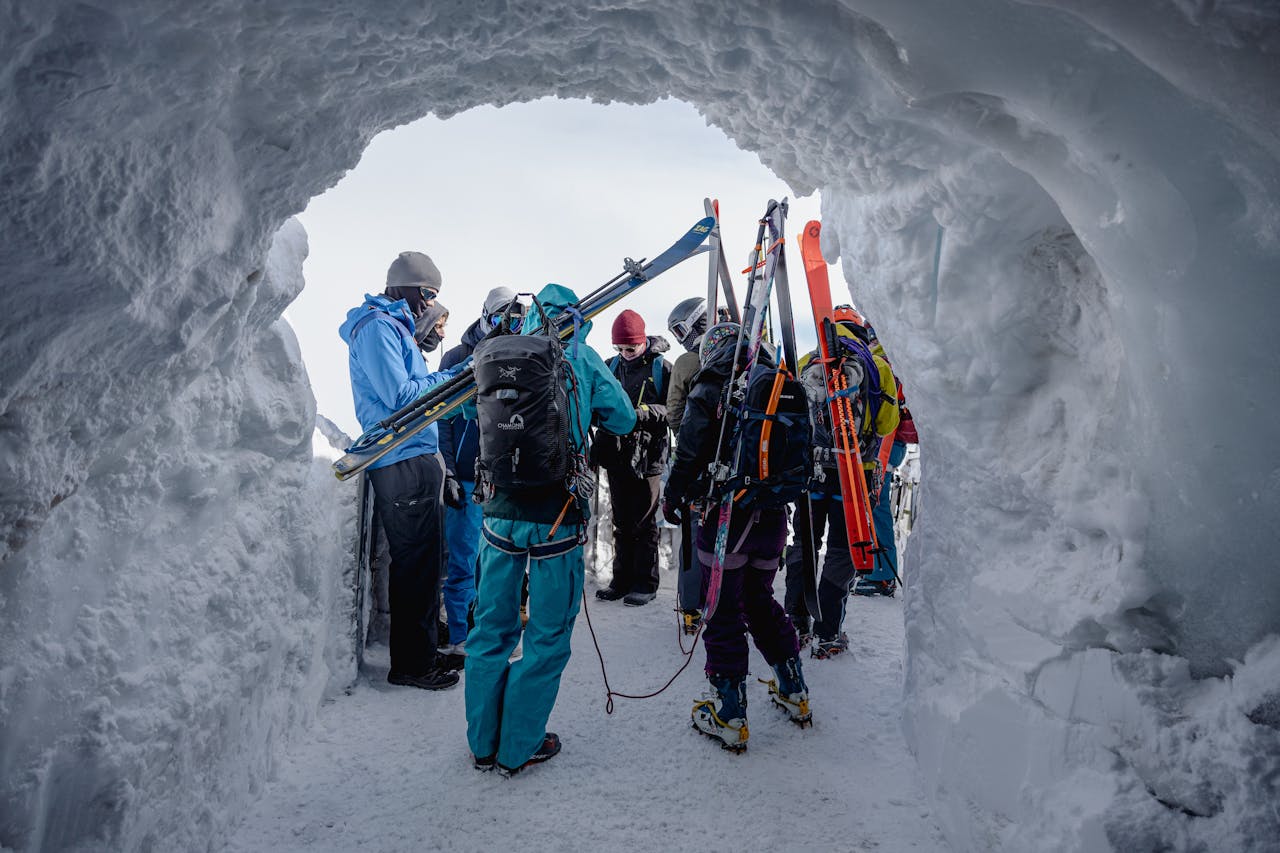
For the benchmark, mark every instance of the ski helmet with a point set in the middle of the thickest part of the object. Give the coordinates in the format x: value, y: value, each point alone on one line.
x: 688, y: 322
x: 717, y: 338
x: 851, y: 319
x: 847, y: 313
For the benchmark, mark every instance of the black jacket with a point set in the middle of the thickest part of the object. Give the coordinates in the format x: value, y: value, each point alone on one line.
x: 701, y: 427
x: 459, y: 439
x: 643, y: 452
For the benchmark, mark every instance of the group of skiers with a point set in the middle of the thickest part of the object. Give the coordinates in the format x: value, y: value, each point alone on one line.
x: 498, y: 497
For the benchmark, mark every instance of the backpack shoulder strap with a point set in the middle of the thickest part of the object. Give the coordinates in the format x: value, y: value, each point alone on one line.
x: 613, y: 365
x: 364, y: 321
x: 657, y: 379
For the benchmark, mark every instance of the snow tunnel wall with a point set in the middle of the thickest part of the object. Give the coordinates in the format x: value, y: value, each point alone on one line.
x: 1061, y: 215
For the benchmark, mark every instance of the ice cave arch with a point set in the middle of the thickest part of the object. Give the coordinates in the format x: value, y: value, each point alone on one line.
x: 1094, y: 356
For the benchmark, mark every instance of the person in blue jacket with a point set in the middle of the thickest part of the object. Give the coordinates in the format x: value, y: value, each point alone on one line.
x: 509, y: 703
x: 388, y: 372
x: 459, y: 445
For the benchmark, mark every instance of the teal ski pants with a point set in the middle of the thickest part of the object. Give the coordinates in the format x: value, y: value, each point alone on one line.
x: 508, y: 704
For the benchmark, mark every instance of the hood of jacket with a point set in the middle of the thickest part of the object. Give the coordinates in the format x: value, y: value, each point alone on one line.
x: 555, y: 298
x: 397, y: 308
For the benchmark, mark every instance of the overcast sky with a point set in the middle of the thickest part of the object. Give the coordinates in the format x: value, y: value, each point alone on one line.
x: 524, y: 195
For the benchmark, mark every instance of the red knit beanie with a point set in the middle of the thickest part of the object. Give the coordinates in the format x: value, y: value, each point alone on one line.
x: 629, y: 328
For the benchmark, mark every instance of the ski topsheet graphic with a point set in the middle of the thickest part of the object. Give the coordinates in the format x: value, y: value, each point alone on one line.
x: 853, y: 484
x: 441, y: 400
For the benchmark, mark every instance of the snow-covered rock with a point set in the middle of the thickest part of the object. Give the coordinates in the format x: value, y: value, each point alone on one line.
x: 1062, y: 214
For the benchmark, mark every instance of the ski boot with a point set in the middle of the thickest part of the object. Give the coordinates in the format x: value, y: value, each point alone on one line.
x: 722, y: 713
x: 689, y: 621
x: 788, y: 691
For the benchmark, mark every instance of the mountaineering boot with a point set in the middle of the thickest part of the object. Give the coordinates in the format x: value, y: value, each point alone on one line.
x: 722, y: 713
x: 608, y: 593
x: 788, y: 691
x: 639, y: 599
x: 549, y: 748
x: 823, y: 649
x: 433, y: 679
x: 689, y: 621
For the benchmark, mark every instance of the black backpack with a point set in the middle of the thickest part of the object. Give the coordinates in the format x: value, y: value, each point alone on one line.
x: 773, y: 441
x: 522, y: 406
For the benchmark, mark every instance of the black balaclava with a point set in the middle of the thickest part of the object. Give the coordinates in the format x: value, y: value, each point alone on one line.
x: 412, y: 295
x: 424, y: 331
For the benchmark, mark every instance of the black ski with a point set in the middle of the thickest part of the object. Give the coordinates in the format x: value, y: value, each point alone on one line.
x: 803, y: 518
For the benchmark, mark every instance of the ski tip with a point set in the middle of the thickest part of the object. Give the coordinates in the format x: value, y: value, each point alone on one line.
x: 813, y: 228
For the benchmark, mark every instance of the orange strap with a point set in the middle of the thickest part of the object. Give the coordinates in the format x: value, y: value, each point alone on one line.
x: 765, y: 431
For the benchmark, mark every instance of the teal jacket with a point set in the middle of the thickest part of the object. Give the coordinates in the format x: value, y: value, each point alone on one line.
x: 600, y: 401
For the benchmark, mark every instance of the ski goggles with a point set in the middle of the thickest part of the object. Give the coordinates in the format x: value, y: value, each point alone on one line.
x: 517, y: 320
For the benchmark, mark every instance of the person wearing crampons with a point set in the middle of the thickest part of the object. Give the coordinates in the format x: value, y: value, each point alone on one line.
x: 746, y: 603
x: 459, y: 445
x: 635, y: 462
x: 838, y: 574
x: 541, y: 530
x: 688, y: 323
x: 387, y: 372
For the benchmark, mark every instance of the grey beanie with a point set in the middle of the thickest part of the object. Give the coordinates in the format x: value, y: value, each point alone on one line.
x: 498, y: 299
x: 413, y: 269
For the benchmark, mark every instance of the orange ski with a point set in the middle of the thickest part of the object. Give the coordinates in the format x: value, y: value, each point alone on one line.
x: 853, y: 483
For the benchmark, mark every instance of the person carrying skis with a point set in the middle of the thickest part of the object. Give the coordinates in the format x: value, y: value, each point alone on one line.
x: 387, y: 372
x: 883, y: 581
x: 635, y: 462
x: 539, y: 529
x: 755, y: 542
x: 688, y: 323
x: 879, y: 419
x: 459, y: 446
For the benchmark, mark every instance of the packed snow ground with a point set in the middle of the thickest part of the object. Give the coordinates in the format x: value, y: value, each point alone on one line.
x: 388, y: 769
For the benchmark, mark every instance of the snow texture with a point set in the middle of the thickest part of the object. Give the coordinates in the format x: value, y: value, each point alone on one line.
x: 640, y: 779
x: 1062, y: 216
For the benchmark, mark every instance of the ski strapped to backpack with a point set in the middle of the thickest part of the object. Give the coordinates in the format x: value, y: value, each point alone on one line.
x: 842, y: 400
x: 444, y: 398
x: 749, y: 468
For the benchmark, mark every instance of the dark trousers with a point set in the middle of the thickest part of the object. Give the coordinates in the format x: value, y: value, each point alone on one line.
x: 408, y: 505
x: 635, y: 530
x: 837, y: 569
x: 746, y: 603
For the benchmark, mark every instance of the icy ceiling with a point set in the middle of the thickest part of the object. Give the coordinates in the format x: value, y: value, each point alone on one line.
x: 1063, y: 216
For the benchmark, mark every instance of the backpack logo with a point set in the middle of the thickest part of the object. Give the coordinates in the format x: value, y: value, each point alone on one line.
x: 509, y: 373
x: 516, y: 422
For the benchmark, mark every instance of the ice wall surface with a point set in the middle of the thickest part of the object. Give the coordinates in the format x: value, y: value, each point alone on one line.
x: 1062, y: 216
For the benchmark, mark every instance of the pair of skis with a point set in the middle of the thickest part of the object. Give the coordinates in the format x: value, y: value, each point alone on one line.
x: 766, y: 270
x: 441, y: 400
x: 853, y: 482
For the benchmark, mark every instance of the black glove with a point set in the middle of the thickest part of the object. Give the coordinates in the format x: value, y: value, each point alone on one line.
x: 672, y: 512
x: 453, y: 494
